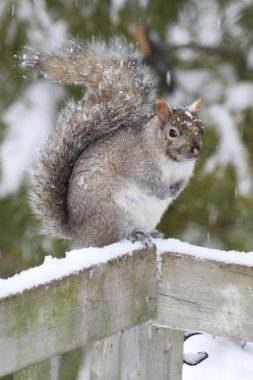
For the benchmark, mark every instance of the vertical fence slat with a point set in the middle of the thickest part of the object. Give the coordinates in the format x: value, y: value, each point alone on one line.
x: 45, y: 370
x: 144, y: 352
x: 106, y: 359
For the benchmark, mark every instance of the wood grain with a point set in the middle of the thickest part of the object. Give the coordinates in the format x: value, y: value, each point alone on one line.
x: 85, y: 307
x: 45, y: 370
x: 206, y: 296
x: 144, y: 352
x: 106, y: 299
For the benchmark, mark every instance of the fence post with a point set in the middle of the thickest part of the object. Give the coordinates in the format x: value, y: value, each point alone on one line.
x: 144, y: 352
x: 46, y: 370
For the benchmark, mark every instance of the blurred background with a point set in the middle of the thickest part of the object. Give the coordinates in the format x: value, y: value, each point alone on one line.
x: 197, y: 48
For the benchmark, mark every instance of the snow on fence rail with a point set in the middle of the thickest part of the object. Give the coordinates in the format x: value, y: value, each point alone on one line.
x: 95, y: 294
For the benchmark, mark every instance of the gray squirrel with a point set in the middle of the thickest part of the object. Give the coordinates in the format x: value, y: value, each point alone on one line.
x: 119, y: 156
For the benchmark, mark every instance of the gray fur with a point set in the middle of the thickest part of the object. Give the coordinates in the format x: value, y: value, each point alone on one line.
x: 108, y: 159
x: 120, y: 90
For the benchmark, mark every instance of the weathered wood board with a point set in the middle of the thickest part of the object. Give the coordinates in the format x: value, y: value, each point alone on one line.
x: 85, y: 307
x: 206, y: 296
x: 105, y: 299
x: 144, y: 352
x: 46, y: 370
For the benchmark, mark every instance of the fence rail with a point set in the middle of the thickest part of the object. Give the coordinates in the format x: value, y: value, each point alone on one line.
x: 113, y: 301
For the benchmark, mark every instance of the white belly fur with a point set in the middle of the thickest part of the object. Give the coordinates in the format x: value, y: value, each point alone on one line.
x: 144, y: 210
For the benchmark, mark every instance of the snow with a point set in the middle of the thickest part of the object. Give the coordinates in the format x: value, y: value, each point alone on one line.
x: 77, y: 260
x: 54, y: 268
x: 177, y: 246
x: 188, y: 113
x: 25, y: 120
x: 202, y: 22
x: 231, y: 148
x: 225, y: 97
x: 224, y: 100
x: 116, y: 7
x: 239, y: 96
x: 42, y: 28
x: 194, y: 359
x: 31, y: 117
x: 227, y: 359
x: 222, y: 351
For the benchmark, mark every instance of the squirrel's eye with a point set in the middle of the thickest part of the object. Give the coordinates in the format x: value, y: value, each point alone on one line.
x: 173, y: 132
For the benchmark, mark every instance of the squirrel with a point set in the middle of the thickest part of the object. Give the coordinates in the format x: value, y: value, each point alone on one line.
x: 119, y: 156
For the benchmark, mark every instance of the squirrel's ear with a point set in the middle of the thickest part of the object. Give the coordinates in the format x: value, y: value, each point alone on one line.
x: 195, y: 106
x: 163, y: 111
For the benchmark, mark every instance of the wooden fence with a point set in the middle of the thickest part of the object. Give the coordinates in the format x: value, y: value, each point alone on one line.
x: 133, y: 316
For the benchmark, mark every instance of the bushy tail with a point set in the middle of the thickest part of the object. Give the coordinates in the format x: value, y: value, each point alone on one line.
x: 120, y: 90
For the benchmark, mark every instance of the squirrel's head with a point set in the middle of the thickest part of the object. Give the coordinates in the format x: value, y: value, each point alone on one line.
x: 181, y: 130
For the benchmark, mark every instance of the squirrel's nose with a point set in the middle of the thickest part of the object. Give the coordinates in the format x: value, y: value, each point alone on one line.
x: 195, y: 150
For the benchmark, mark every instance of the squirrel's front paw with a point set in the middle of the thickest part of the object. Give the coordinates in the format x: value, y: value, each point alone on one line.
x: 157, y: 234
x: 143, y: 237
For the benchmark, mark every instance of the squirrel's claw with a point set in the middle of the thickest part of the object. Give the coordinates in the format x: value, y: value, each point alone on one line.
x: 143, y: 237
x: 157, y: 234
